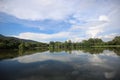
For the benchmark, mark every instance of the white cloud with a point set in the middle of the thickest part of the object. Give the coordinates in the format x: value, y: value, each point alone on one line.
x: 76, y: 33
x: 43, y: 37
x: 96, y: 29
x: 103, y: 18
x: 48, y: 9
x: 90, y: 28
x: 87, y: 18
x: 39, y: 9
x: 93, y: 32
x: 108, y: 37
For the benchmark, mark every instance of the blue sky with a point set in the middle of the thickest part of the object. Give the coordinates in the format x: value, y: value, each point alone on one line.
x: 60, y: 20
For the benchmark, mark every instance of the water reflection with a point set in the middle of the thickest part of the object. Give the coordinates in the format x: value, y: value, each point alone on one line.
x: 88, y: 50
x: 82, y: 64
x: 8, y: 54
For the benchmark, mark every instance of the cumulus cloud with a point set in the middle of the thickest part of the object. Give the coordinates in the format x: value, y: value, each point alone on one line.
x: 90, y: 28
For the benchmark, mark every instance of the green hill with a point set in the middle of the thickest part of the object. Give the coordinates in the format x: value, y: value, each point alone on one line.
x: 7, y: 42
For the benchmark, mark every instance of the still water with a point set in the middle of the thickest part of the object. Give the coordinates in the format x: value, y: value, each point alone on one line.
x: 62, y: 65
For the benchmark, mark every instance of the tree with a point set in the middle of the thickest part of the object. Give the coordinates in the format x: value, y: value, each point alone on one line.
x: 2, y: 45
x: 22, y: 46
x: 95, y: 41
x: 52, y: 44
x: 116, y: 40
x: 85, y: 43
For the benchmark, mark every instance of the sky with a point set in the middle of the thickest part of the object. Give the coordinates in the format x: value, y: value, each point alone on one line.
x: 60, y: 20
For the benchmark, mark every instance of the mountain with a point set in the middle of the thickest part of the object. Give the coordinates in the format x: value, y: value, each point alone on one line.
x: 1, y: 36
x: 14, y: 38
x: 7, y: 42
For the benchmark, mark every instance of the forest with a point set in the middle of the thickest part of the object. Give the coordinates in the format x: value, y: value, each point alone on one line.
x: 16, y: 43
x: 91, y: 42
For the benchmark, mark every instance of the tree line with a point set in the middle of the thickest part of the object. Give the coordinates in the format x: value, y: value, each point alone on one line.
x: 15, y: 43
x: 91, y: 42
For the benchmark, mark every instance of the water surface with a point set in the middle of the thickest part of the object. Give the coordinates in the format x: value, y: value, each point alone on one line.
x: 63, y: 65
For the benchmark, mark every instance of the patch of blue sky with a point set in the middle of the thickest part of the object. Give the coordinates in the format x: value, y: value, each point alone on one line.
x: 15, y: 29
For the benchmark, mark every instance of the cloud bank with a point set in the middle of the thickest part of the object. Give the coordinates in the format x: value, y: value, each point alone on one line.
x: 85, y: 18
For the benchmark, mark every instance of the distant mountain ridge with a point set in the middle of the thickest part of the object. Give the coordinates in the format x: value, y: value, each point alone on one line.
x: 7, y: 42
x: 14, y: 38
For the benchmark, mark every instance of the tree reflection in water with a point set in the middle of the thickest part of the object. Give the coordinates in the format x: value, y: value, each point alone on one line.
x: 81, y: 64
x: 4, y: 54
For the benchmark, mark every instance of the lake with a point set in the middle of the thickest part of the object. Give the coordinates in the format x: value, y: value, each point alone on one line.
x: 82, y: 64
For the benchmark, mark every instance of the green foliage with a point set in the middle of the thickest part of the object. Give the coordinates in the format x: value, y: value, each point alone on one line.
x: 22, y: 46
x: 15, y: 43
x: 2, y: 45
x: 51, y: 44
x: 116, y: 40
x: 92, y: 42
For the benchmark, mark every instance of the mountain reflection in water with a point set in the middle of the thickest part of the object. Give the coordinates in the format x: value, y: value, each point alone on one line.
x: 63, y: 65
